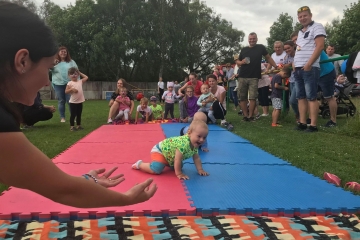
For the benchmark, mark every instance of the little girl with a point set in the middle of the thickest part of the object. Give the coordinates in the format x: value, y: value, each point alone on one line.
x: 169, y: 98
x: 74, y: 87
x: 124, y: 105
x: 144, y: 110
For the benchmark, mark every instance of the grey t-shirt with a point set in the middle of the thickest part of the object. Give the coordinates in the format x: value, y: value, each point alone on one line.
x: 337, y: 64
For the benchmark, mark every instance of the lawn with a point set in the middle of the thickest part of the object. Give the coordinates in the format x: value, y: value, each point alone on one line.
x: 329, y: 150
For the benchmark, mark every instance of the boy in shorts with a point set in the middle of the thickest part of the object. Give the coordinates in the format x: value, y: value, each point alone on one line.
x: 277, y: 94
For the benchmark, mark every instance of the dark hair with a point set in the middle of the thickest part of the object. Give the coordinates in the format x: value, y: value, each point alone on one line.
x: 294, y: 34
x: 194, y: 74
x: 332, y: 45
x: 211, y: 76
x: 20, y: 29
x: 287, y: 71
x: 68, y: 58
x: 72, y: 70
x: 253, y: 33
x: 290, y: 43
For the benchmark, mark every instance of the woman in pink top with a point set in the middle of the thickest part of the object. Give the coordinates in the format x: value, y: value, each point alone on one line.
x: 74, y: 87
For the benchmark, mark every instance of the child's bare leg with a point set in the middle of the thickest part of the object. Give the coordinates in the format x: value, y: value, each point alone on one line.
x: 275, y: 116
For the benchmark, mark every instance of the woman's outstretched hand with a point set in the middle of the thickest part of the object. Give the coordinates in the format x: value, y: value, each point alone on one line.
x: 105, y: 179
x: 141, y: 192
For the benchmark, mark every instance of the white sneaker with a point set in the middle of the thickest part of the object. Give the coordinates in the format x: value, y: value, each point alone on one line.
x: 62, y: 120
x: 235, y: 89
x: 223, y: 122
x: 109, y: 120
x: 264, y: 115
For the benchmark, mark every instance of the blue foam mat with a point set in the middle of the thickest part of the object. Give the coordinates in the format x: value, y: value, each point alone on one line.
x: 237, y: 153
x: 244, y: 188
x: 215, y: 133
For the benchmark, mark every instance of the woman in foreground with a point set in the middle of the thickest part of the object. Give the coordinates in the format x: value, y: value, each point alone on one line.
x: 28, y: 51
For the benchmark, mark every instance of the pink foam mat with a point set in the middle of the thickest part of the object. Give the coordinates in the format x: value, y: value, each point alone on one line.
x: 121, y: 152
x: 125, y: 133
x: 170, y: 197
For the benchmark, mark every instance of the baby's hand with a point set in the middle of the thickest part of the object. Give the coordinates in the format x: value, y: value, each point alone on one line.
x: 204, y: 149
x: 203, y: 173
x: 182, y: 176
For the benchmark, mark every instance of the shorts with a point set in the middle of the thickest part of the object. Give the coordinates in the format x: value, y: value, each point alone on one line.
x: 248, y: 89
x: 159, y: 162
x: 277, y: 103
x: 327, y: 84
x: 306, y: 83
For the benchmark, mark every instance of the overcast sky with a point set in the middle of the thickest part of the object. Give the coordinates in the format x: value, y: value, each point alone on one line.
x: 258, y: 15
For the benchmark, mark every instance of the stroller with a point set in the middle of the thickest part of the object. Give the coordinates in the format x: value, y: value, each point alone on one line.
x: 345, y: 105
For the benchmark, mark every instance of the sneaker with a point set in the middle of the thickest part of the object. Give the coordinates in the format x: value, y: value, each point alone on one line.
x: 136, y: 165
x: 353, y: 186
x: 308, y: 122
x: 264, y: 115
x: 245, y: 119
x: 301, y: 127
x: 330, y: 124
x: 224, y: 123
x: 235, y: 89
x: 62, y: 120
x: 109, y: 120
x: 276, y: 125
x: 312, y: 129
x: 257, y: 116
x: 230, y: 127
x: 73, y: 129
x: 332, y: 178
x: 240, y: 112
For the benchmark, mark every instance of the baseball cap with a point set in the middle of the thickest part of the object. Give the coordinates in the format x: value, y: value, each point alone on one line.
x: 153, y: 99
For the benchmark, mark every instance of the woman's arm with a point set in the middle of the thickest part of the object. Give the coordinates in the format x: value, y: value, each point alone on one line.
x: 222, y: 96
x: 31, y: 169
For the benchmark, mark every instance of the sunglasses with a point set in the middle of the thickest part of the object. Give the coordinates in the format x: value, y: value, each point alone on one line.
x: 303, y: 9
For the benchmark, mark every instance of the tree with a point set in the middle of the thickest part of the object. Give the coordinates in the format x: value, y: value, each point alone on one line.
x: 346, y: 34
x: 281, y: 30
x: 330, y: 30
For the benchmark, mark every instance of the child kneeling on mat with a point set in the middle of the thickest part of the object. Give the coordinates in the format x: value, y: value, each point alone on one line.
x: 201, y: 117
x: 173, y: 151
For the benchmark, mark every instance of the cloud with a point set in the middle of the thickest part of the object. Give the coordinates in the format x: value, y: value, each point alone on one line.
x: 258, y: 15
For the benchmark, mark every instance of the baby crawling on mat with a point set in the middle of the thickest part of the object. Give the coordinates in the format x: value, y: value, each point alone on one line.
x: 173, y: 151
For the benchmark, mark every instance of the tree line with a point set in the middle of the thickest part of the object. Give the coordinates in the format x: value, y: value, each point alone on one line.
x: 141, y: 40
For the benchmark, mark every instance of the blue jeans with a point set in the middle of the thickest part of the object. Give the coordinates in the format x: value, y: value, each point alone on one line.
x: 293, y: 101
x: 233, y: 96
x: 327, y: 84
x: 306, y: 83
x: 62, y: 98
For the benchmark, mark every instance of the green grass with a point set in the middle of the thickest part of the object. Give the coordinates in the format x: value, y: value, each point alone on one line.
x: 329, y: 150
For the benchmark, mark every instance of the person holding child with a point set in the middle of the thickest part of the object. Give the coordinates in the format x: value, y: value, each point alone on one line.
x: 157, y: 111
x: 144, y: 110
x: 74, y: 87
x: 201, y: 117
x: 25, y: 60
x: 277, y: 94
x: 169, y: 99
x: 124, y: 105
x: 173, y: 151
x: 206, y: 101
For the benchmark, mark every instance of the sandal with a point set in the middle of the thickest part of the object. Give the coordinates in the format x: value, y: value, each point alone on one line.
x: 353, y: 186
x: 332, y: 178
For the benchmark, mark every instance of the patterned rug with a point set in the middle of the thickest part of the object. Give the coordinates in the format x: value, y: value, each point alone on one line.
x: 187, y: 227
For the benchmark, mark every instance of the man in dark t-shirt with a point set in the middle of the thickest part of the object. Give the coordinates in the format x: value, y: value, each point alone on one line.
x: 250, y: 62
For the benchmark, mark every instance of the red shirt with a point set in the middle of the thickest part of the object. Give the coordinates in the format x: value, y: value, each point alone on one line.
x: 197, y: 88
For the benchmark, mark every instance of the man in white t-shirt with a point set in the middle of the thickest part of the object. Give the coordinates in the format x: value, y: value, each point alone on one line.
x: 279, y: 53
x: 330, y: 51
x: 310, y: 43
